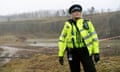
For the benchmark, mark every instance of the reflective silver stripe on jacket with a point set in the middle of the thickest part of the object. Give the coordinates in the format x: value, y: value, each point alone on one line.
x: 90, y: 43
x: 90, y: 34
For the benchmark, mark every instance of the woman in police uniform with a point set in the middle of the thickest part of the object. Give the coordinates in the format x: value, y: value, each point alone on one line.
x: 80, y: 40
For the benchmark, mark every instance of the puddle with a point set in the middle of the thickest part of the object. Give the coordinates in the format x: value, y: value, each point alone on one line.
x: 7, y: 53
x: 42, y: 42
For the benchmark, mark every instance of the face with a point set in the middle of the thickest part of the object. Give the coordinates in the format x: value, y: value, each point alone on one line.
x: 76, y: 15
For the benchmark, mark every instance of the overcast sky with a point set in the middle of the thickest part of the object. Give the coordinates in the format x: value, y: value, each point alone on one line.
x: 20, y: 6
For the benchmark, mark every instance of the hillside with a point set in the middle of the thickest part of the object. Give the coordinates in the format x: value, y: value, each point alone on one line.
x: 107, y: 25
x: 17, y: 53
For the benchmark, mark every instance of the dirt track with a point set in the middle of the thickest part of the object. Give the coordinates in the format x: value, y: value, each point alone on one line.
x: 11, y: 52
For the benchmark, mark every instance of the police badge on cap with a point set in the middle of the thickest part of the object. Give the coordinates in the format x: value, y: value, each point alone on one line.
x: 74, y: 8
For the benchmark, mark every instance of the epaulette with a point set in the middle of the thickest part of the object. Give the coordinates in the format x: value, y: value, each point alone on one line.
x: 85, y: 24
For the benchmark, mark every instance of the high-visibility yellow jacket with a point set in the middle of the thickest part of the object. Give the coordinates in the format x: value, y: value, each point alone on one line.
x: 69, y: 32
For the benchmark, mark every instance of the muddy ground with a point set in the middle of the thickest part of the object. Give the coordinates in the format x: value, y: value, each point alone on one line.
x: 41, y: 56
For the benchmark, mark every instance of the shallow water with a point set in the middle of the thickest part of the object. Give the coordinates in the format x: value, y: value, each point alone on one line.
x: 7, y: 54
x: 42, y: 42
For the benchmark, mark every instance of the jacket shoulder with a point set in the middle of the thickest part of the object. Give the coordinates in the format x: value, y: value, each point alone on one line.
x: 68, y: 23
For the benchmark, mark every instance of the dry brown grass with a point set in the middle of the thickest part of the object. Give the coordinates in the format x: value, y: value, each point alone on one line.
x: 46, y: 60
x: 49, y: 63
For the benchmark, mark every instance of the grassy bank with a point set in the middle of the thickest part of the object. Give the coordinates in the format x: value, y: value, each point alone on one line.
x: 106, y: 25
x: 49, y: 63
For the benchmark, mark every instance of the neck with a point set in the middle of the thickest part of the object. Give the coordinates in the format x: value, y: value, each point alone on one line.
x: 75, y: 19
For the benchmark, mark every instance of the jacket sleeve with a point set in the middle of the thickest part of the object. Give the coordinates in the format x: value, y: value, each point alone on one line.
x: 94, y: 36
x: 62, y: 41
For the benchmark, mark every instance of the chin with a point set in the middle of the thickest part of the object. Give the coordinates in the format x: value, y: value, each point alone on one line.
x: 77, y: 17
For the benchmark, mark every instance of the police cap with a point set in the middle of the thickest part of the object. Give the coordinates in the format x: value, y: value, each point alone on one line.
x: 75, y: 7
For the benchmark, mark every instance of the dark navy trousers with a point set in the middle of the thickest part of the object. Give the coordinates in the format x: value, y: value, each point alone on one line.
x: 80, y: 55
